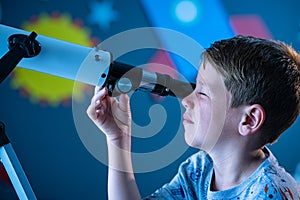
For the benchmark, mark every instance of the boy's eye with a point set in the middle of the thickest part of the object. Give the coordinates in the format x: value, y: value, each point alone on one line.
x: 202, y: 94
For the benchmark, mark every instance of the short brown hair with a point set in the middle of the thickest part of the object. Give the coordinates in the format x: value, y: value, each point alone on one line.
x: 261, y: 71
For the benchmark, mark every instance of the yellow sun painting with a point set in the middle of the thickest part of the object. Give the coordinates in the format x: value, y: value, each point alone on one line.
x: 46, y: 89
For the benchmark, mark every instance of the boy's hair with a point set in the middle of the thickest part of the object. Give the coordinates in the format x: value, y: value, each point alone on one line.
x: 260, y: 71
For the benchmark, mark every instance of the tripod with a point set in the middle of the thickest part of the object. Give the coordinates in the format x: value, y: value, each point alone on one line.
x: 20, y: 46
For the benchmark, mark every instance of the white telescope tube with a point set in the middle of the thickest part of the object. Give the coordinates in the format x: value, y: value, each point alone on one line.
x: 61, y: 58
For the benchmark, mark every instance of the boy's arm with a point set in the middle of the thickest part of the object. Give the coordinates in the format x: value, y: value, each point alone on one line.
x: 113, y: 118
x: 121, y: 181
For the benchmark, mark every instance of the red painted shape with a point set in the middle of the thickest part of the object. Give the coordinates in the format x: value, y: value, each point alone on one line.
x: 3, y: 174
x: 162, y: 63
x: 252, y: 25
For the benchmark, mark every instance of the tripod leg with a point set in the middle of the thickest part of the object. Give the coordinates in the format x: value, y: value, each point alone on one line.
x: 13, y: 168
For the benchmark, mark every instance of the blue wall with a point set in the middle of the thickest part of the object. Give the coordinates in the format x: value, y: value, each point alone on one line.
x: 42, y: 130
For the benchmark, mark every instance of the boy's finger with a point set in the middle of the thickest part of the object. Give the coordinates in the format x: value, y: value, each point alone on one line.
x: 124, y: 103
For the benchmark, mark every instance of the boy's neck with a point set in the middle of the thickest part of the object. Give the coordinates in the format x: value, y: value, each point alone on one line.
x: 234, y: 167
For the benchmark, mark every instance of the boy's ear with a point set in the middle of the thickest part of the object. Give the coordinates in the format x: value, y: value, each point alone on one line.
x: 252, y: 119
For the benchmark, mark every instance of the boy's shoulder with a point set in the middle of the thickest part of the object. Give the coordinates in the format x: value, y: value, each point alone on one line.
x: 275, y: 180
x: 269, y: 181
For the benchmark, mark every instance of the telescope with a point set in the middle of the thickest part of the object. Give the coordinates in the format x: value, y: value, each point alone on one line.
x: 84, y: 64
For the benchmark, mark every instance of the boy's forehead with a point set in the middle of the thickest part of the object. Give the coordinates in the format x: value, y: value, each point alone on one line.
x: 209, y: 76
x: 206, y: 71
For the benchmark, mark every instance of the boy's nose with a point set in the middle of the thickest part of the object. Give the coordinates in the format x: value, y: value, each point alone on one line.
x: 187, y: 101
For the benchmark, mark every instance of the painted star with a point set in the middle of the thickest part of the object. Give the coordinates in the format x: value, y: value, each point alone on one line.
x: 102, y: 14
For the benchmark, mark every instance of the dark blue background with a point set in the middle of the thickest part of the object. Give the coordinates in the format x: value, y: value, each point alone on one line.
x: 44, y: 137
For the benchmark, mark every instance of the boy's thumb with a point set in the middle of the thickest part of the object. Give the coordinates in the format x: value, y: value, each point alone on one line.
x: 124, y: 102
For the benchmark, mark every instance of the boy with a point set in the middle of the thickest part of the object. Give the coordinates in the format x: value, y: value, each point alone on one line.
x: 247, y: 93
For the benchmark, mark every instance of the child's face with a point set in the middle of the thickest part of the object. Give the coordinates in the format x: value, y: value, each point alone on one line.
x: 206, y: 109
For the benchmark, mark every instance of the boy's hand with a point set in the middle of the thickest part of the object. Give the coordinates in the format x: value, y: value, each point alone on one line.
x: 111, y: 116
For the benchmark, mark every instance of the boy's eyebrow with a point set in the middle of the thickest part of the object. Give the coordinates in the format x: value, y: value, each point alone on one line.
x: 201, y: 83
